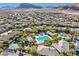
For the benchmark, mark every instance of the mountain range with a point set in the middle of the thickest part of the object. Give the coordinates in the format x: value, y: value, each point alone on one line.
x: 27, y: 5
x: 39, y: 5
x: 31, y: 5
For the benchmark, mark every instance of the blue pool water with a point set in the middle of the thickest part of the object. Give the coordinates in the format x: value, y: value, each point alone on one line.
x: 58, y: 33
x: 42, y: 38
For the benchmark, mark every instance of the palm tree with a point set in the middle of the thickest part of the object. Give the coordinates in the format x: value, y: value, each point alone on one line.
x: 48, y: 42
x: 55, y: 38
x: 35, y: 29
x: 67, y: 30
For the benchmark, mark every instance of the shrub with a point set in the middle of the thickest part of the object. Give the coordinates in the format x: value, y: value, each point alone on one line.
x: 55, y: 38
x: 61, y: 54
x: 32, y: 50
x: 48, y: 42
x: 71, y: 45
x: 1, y: 50
x: 6, y: 42
x: 71, y: 53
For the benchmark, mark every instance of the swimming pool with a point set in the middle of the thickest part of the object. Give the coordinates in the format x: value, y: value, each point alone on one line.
x: 58, y: 33
x: 42, y: 38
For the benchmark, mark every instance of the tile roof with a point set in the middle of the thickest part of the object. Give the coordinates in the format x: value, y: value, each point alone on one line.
x: 7, y: 37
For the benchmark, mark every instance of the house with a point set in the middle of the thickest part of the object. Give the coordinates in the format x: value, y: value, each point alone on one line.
x: 57, y: 47
x: 64, y: 45
x: 8, y: 53
x: 49, y: 33
x: 29, y: 39
x: 16, y: 18
x: 13, y: 46
x: 28, y: 29
x: 6, y: 33
x: 76, y: 43
x: 47, y: 51
x: 7, y: 37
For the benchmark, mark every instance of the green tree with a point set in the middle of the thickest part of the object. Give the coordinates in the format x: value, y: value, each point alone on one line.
x: 33, y: 36
x: 1, y: 50
x: 55, y: 38
x: 1, y: 45
x: 61, y: 54
x: 23, y: 39
x: 34, y: 29
x: 48, y: 42
x: 32, y: 50
x: 67, y: 30
x: 69, y: 40
x: 71, y: 45
x: 71, y: 53
x: 32, y: 43
x: 44, y: 28
x: 6, y: 42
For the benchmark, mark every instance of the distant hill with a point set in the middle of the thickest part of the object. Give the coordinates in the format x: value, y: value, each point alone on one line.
x: 8, y: 7
x: 28, y: 5
x: 74, y: 6
x: 51, y: 5
x: 41, y: 5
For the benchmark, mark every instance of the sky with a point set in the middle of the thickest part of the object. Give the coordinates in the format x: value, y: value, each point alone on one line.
x: 39, y: 4
x: 8, y: 4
